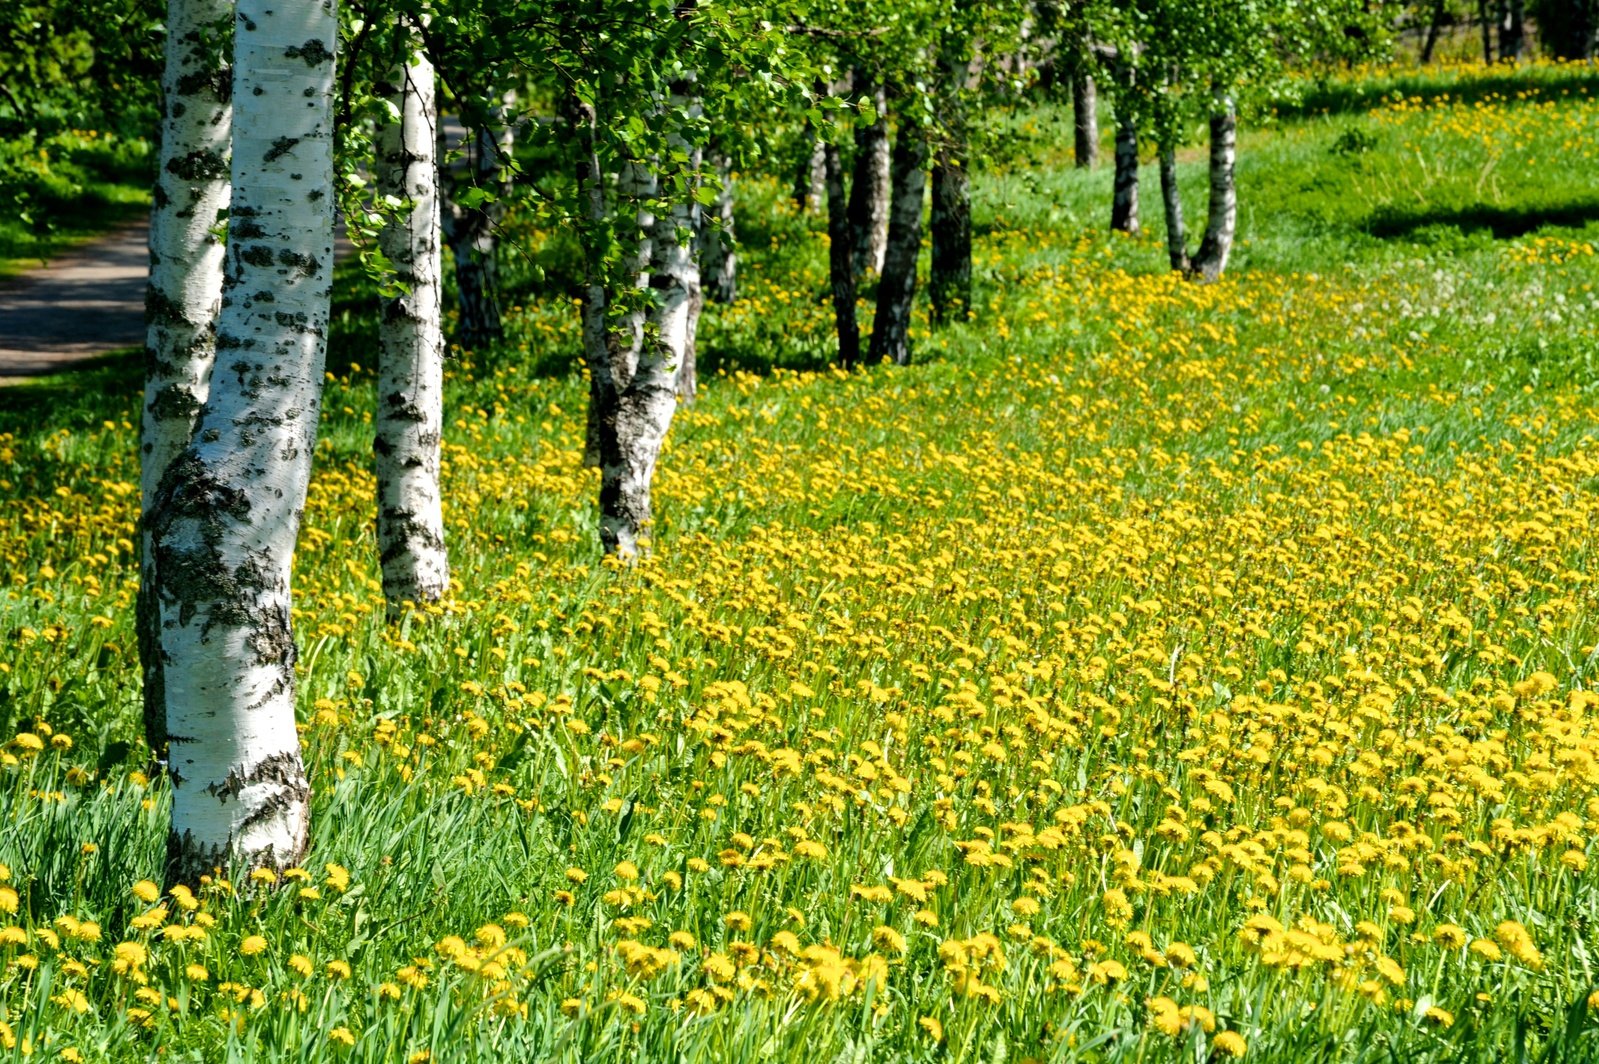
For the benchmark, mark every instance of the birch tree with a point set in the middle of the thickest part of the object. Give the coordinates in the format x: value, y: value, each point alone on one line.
x: 189, y: 199
x: 896, y: 291
x: 225, y: 518
x: 410, y: 392
x: 868, y: 186
x: 471, y: 217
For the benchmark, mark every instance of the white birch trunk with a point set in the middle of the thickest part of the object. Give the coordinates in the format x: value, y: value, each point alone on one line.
x: 869, y: 187
x: 1172, y: 201
x: 896, y: 292
x: 1124, y: 206
x: 1085, y: 117
x: 191, y: 191
x: 225, y: 521
x: 410, y: 405
x: 1217, y: 244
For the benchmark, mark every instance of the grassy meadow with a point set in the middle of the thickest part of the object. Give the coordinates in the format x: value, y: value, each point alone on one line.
x: 1152, y: 672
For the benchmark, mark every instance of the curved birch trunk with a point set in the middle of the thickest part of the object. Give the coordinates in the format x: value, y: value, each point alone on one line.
x: 410, y: 400
x: 1124, y: 207
x: 841, y: 261
x: 1217, y: 244
x: 869, y: 188
x: 225, y: 519
x: 896, y: 293
x: 950, y: 227
x: 1171, y: 199
x: 718, y: 257
x: 1085, y: 117
x: 191, y: 191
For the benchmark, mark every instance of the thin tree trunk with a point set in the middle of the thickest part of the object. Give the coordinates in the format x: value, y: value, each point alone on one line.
x: 868, y: 193
x: 1512, y: 30
x: 809, y: 178
x: 596, y: 339
x: 1486, y: 24
x: 471, y: 231
x: 225, y: 519
x: 1222, y: 218
x: 841, y: 261
x: 1124, y: 207
x: 950, y: 227
x: 1085, y: 115
x: 687, y: 218
x: 1171, y: 199
x: 185, y: 290
x: 896, y: 293
x: 410, y: 400
x: 1434, y: 27
x: 718, y: 257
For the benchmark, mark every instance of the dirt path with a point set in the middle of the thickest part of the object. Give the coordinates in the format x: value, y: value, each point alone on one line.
x: 85, y: 303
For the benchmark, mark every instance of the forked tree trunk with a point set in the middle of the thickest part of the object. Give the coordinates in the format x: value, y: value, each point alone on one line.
x: 1124, y: 206
x: 1171, y: 199
x: 225, y: 519
x: 410, y: 400
x: 868, y: 192
x: 185, y: 290
x: 471, y: 231
x: 718, y: 254
x: 612, y: 341
x: 841, y: 261
x: 1085, y: 117
x: 950, y: 227
x: 896, y: 293
x: 1222, y: 219
x: 635, y: 353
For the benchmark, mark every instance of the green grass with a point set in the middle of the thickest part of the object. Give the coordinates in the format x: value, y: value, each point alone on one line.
x: 1197, y: 604
x: 66, y: 189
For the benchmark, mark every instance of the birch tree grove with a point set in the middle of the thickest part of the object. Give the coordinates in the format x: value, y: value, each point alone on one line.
x: 228, y: 509
x: 410, y: 403
x: 190, y: 195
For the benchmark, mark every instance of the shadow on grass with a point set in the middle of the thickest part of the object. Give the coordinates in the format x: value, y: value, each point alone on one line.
x: 1502, y: 223
x: 1514, y: 86
x: 79, y: 396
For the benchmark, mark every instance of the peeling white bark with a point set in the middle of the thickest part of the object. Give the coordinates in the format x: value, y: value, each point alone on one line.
x: 410, y: 405
x: 226, y: 517
x: 191, y: 191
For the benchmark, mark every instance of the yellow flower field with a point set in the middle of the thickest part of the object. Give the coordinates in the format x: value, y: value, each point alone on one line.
x: 1156, y: 672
